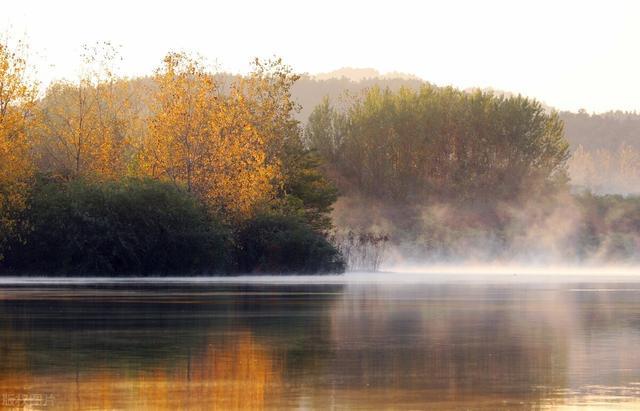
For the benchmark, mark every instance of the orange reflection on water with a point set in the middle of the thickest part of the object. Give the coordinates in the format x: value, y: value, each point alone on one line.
x: 238, y: 375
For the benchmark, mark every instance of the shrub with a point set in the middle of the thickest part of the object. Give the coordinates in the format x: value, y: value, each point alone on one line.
x: 133, y: 226
x: 285, y: 244
x: 362, y: 251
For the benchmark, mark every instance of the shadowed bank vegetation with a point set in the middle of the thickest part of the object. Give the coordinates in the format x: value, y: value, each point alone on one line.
x: 118, y: 227
x: 150, y: 227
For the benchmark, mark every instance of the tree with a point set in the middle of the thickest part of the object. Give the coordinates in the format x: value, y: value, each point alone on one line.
x: 88, y: 127
x: 326, y: 130
x: 207, y: 140
x: 442, y: 144
x: 267, y: 90
x: 305, y: 190
x: 17, y: 102
x: 285, y: 244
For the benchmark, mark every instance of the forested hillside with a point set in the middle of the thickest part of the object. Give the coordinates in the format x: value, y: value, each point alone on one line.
x: 607, y: 131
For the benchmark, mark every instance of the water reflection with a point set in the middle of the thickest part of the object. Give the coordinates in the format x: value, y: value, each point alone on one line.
x: 321, y: 347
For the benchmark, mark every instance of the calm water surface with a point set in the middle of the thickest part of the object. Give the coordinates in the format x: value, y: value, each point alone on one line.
x: 336, y: 345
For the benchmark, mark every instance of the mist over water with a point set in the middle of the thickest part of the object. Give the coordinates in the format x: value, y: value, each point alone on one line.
x: 565, y: 231
x: 389, y: 274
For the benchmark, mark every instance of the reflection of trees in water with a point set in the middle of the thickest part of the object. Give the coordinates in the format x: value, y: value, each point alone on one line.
x: 253, y: 347
x: 449, y: 342
x: 607, y: 327
x: 606, y: 306
x: 14, y: 365
x: 160, y: 351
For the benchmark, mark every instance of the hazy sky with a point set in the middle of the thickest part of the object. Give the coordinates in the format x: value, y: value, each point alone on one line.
x: 569, y: 54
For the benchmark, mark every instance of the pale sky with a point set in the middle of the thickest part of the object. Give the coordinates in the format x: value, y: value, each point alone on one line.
x: 568, y: 54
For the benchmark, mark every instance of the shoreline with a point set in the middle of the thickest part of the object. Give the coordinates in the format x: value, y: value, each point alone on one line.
x: 460, y: 275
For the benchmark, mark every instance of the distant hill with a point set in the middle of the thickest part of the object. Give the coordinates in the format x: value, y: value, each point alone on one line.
x: 310, y: 90
x: 359, y: 74
x: 607, y: 131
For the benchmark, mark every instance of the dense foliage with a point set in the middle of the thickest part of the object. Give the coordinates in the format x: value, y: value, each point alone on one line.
x: 147, y: 227
x: 441, y: 144
x: 17, y: 99
x: 279, y: 243
x: 117, y: 228
x: 610, y: 229
x: 602, y: 131
x: 306, y: 192
x: 605, y: 147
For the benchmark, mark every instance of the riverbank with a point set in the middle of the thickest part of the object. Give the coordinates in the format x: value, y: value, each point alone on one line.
x: 427, y: 275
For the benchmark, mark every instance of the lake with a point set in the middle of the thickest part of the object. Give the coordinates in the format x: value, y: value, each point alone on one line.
x: 384, y: 341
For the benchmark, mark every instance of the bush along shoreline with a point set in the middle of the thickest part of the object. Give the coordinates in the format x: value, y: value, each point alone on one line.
x: 144, y: 227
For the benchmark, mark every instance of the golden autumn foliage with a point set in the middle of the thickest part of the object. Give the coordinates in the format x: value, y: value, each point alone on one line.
x: 86, y: 127
x: 223, y: 142
x: 209, y: 140
x: 17, y: 100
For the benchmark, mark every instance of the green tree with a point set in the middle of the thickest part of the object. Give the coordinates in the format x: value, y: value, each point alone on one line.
x: 325, y: 130
x: 306, y: 191
x: 442, y: 144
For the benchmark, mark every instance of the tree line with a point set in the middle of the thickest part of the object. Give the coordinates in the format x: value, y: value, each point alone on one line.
x: 82, y: 151
x: 117, y: 175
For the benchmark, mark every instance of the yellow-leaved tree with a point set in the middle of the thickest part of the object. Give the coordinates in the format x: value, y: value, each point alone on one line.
x: 87, y: 127
x: 206, y: 139
x: 17, y: 102
x: 268, y: 89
